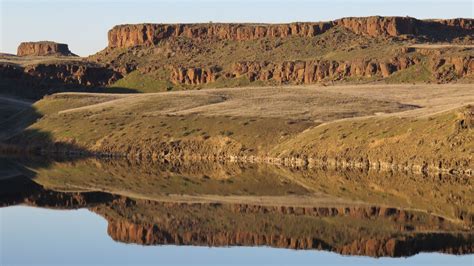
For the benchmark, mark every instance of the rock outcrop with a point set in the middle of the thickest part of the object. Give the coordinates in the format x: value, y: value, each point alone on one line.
x: 146, y: 234
x: 308, y: 72
x: 380, y: 26
x: 123, y: 36
x: 35, y: 81
x: 77, y: 74
x: 43, y: 48
x: 297, y: 72
x: 193, y: 75
x: 176, y: 229
x: 457, y: 23
x: 150, y: 34
x: 444, y: 69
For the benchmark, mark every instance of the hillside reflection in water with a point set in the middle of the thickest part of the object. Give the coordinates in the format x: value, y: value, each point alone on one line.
x: 189, y: 204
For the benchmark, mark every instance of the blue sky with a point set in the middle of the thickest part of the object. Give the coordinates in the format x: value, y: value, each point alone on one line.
x: 84, y: 24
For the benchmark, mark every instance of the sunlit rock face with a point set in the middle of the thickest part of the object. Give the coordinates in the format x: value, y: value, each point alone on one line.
x: 150, y: 34
x: 43, y: 48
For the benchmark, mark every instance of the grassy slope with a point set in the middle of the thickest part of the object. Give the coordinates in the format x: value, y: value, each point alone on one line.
x: 413, y: 74
x: 234, y: 183
x: 251, y: 120
x: 437, y: 140
x: 248, y: 122
x: 15, y: 115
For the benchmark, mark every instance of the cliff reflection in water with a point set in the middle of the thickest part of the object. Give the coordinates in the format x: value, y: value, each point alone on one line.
x: 348, y: 212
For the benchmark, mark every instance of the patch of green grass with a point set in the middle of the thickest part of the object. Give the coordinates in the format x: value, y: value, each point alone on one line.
x: 150, y: 82
x: 413, y: 74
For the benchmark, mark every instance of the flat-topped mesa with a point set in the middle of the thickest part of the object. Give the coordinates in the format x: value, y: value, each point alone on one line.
x: 130, y: 35
x: 43, y: 48
x: 150, y: 34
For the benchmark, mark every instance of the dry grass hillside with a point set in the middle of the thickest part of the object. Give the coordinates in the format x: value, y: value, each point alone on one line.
x: 204, y: 182
x: 415, y: 127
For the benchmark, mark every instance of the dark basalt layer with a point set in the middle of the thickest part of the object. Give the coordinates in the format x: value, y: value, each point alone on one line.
x: 37, y: 80
x: 44, y: 48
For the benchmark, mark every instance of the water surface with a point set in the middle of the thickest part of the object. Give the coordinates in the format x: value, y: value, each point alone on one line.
x: 92, y: 211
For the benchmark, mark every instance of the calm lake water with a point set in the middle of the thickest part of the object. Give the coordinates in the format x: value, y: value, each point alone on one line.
x: 96, y: 212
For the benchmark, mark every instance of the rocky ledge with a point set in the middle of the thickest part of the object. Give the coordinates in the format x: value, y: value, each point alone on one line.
x: 43, y: 48
x: 36, y: 80
x: 130, y: 35
x: 444, y: 69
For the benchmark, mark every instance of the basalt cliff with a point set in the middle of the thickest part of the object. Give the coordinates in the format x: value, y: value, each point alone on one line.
x: 375, y: 169
x: 43, y: 48
x: 369, y: 49
x: 151, y: 34
x: 36, y: 80
x: 163, y: 57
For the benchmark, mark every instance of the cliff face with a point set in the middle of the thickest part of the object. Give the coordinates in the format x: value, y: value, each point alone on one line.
x: 123, y: 36
x: 66, y: 74
x: 444, y: 69
x: 308, y: 72
x: 193, y: 75
x: 380, y: 26
x: 149, y: 34
x: 78, y: 74
x: 459, y: 23
x: 144, y: 234
x: 407, y: 239
x: 44, y: 48
x: 34, y: 81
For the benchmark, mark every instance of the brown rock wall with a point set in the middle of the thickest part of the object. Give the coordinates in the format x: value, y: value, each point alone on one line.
x: 44, y: 48
x: 193, y: 75
x: 149, y: 34
x: 122, y: 36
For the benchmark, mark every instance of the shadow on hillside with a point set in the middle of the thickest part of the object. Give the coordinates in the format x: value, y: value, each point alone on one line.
x: 19, y: 141
x: 15, y: 82
x: 444, y: 33
x: 116, y: 90
x: 15, y: 135
x: 17, y: 186
x: 35, y: 92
